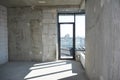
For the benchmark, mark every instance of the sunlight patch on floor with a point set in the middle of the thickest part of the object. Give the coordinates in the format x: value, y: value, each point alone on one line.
x: 47, y: 63
x: 50, y: 71
x: 47, y: 66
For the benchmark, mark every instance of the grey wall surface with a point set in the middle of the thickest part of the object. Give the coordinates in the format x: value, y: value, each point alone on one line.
x: 3, y: 35
x: 49, y: 34
x: 103, y: 39
x: 32, y: 34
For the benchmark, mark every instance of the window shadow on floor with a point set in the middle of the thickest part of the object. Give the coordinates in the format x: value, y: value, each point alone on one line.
x: 56, y: 70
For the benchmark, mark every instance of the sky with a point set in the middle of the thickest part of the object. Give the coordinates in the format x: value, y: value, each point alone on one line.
x: 68, y: 29
x: 80, y: 26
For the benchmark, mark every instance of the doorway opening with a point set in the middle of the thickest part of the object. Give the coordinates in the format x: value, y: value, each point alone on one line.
x: 71, y: 34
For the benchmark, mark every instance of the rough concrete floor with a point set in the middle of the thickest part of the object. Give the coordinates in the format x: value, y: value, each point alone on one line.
x: 57, y: 70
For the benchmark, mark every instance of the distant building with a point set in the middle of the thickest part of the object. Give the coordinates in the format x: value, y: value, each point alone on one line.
x: 67, y: 42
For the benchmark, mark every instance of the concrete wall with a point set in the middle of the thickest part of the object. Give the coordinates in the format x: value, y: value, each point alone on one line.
x: 49, y: 34
x: 3, y: 35
x: 32, y: 34
x: 102, y: 39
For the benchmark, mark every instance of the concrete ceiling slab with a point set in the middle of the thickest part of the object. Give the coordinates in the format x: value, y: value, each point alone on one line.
x: 22, y: 3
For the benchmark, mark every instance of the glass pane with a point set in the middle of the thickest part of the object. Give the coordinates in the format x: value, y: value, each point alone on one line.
x: 80, y: 32
x: 66, y: 18
x: 66, y: 37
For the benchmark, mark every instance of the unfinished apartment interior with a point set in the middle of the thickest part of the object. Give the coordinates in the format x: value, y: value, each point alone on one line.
x: 30, y: 40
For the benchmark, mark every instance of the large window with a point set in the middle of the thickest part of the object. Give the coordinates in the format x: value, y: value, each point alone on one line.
x: 66, y: 18
x: 71, y: 28
x: 80, y: 31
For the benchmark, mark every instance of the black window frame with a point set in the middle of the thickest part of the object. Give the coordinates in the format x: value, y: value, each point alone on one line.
x: 58, y: 28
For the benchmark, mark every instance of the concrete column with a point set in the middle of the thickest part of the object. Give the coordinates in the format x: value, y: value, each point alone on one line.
x: 49, y: 34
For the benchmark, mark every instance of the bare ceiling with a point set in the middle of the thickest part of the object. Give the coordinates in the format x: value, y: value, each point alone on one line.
x: 21, y: 3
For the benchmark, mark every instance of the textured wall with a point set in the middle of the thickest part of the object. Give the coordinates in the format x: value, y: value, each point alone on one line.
x: 49, y: 34
x: 32, y: 34
x: 3, y: 35
x: 24, y: 27
x: 102, y: 39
